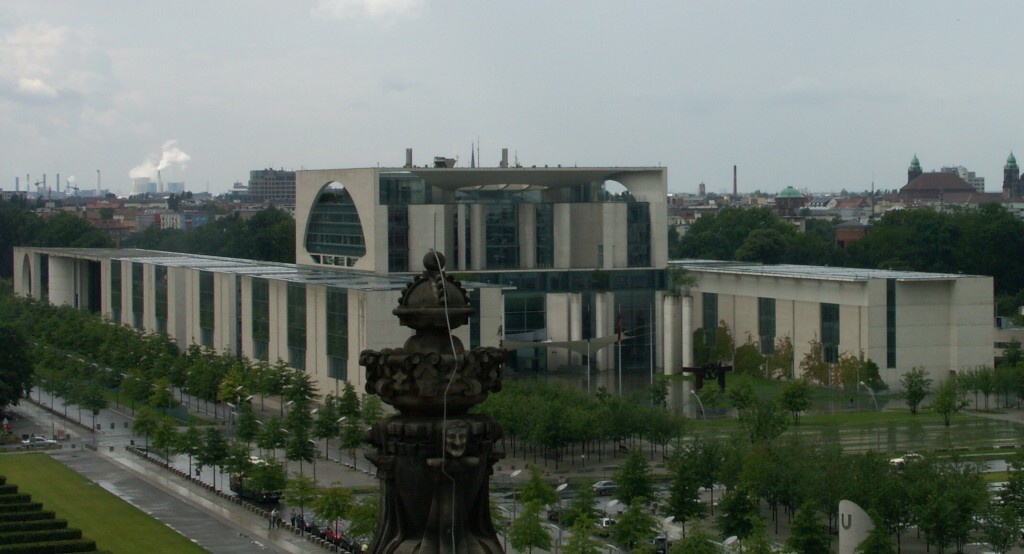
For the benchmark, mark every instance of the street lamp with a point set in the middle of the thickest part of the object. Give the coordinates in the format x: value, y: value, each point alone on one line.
x: 878, y: 419
x: 703, y: 414
x: 513, y: 475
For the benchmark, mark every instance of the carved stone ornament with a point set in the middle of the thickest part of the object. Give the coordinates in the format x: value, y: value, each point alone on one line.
x: 434, y: 460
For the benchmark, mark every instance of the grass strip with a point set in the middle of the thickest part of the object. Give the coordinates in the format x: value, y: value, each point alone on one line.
x: 114, y: 524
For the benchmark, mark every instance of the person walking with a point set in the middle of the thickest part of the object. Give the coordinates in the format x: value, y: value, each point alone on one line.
x: 273, y: 519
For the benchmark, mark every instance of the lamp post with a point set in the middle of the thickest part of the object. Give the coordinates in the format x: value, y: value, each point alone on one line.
x: 703, y: 414
x: 878, y: 418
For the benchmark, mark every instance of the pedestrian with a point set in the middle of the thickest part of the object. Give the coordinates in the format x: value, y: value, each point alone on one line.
x: 293, y: 516
x: 273, y: 519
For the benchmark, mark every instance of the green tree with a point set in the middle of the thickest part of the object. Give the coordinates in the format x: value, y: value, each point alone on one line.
x: 528, y: 531
x: 738, y: 512
x: 949, y: 399
x: 15, y: 366
x: 190, y: 443
x: 877, y: 541
x: 763, y: 420
x: 1000, y: 528
x: 271, y: 436
x: 581, y: 506
x: 145, y: 423
x: 684, y: 503
x: 333, y: 503
x: 636, y: 526
x: 536, y: 490
x: 795, y: 397
x: 364, y: 516
x: 634, y: 478
x: 214, y: 452
x: 698, y: 541
x: 808, y: 534
x: 248, y: 427
x: 165, y: 435
x: 579, y: 541
x: 916, y: 386
x: 814, y: 366
x: 301, y: 491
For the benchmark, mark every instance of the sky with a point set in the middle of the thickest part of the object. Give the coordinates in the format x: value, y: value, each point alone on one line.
x: 819, y: 95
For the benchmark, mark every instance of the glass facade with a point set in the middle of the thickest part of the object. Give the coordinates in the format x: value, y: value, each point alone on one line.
x: 398, y: 238
x: 526, y: 319
x: 890, y: 323
x: 635, y: 312
x: 160, y: 290
x: 638, y: 234
x: 402, y: 189
x: 830, y: 332
x: 115, y: 290
x: 334, y: 227
x: 297, y: 326
x: 545, y: 235
x: 501, y: 246
x: 337, y: 333
x: 138, y: 295
x: 260, y: 318
x: 709, y: 313
x: 766, y: 324
x: 580, y: 280
x: 206, y: 304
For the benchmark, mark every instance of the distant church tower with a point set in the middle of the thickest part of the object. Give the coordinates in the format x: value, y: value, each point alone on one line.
x: 914, y: 171
x: 1012, y: 186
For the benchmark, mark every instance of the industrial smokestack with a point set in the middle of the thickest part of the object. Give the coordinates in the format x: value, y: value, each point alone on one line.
x: 734, y: 180
x: 408, y: 157
x: 17, y: 185
x: 58, y: 182
x: 97, y: 184
x: 159, y: 182
x: 504, y: 157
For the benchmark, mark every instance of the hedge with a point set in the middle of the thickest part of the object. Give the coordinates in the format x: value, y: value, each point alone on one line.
x: 57, y: 547
x: 21, y: 507
x: 39, y: 524
x: 46, y: 535
x: 28, y: 516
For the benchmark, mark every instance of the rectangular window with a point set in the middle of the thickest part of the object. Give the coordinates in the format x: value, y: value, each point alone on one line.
x: 138, y: 292
x: 297, y: 326
x: 337, y: 333
x: 709, y: 301
x: 160, y: 289
x: 398, y: 238
x: 890, y: 323
x: 260, y: 318
x: 206, y: 304
x: 501, y: 237
x: 115, y: 290
x: 526, y: 320
x: 830, y: 332
x: 766, y: 324
x: 545, y: 233
x: 638, y: 234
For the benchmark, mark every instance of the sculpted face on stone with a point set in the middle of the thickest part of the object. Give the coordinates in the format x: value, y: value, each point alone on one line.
x: 455, y: 435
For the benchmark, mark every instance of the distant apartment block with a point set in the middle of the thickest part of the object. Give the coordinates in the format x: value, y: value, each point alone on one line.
x: 272, y: 186
x: 977, y: 183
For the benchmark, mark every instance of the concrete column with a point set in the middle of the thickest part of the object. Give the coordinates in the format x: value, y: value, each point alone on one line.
x: 671, y: 309
x: 527, y: 235
x: 687, y: 331
x: 61, y: 281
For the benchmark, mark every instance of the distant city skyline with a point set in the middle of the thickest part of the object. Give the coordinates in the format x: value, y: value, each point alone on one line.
x: 818, y: 96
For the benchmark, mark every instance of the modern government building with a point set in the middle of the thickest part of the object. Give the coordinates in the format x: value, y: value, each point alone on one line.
x: 560, y: 262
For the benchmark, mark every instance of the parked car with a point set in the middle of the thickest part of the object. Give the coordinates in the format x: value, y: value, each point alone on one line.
x: 604, y: 526
x: 901, y: 463
x: 37, y: 441
x: 603, y: 488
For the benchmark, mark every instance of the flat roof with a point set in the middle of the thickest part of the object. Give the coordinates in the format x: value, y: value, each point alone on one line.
x: 521, y: 178
x: 810, y: 271
x: 329, y: 276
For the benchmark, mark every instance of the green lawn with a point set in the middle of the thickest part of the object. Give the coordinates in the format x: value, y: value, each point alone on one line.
x: 115, y: 525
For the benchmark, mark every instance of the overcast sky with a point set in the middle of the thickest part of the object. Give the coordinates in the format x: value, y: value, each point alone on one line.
x: 822, y: 95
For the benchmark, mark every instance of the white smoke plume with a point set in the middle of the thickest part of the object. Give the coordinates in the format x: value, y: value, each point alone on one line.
x: 170, y: 155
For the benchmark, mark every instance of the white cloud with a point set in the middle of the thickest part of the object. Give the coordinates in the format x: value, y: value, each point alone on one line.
x: 377, y: 10
x: 35, y: 87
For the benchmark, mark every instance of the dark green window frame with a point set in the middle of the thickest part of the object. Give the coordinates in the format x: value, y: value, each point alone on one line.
x: 296, y: 325
x: 766, y: 325
x: 830, y: 332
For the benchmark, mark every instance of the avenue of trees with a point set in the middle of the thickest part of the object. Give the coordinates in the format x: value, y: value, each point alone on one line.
x: 987, y: 240
x: 90, y: 363
x: 21, y: 227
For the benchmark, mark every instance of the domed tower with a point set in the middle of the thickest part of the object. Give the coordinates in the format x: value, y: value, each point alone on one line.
x: 914, y: 171
x: 1011, y: 179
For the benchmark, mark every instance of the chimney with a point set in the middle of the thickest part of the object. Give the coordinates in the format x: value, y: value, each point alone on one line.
x: 504, y: 157
x: 17, y: 184
x: 734, y: 180
x: 408, y: 157
x: 58, y: 182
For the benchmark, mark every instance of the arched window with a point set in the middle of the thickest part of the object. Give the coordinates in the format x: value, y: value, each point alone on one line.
x: 334, y: 229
